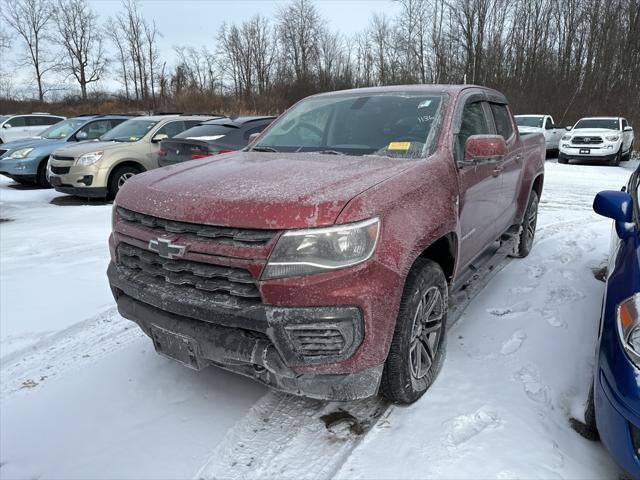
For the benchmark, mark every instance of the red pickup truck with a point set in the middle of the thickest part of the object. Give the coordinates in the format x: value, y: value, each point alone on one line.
x: 320, y: 260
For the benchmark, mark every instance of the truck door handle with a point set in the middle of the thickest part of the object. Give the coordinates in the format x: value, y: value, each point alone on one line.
x: 496, y: 171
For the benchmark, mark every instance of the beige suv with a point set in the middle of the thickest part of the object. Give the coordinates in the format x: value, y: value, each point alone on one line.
x: 99, y: 169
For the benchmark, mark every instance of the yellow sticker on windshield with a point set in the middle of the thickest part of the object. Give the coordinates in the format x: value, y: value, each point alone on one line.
x: 399, y: 146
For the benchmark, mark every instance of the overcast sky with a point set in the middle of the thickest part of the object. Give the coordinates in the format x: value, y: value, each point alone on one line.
x: 196, y: 22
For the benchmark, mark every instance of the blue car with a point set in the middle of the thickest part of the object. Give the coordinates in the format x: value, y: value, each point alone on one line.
x: 25, y: 161
x: 614, y: 404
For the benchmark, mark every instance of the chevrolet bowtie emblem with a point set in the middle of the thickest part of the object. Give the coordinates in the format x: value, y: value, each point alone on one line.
x: 166, y: 249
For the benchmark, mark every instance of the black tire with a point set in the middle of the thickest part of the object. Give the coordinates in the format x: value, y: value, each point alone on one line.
x: 527, y: 227
x: 41, y: 176
x: 118, y: 177
x: 590, y: 414
x: 627, y: 157
x: 418, y: 347
x: 563, y: 160
x: 615, y: 161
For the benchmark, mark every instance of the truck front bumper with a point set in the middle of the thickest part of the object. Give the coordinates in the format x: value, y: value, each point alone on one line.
x: 268, y: 343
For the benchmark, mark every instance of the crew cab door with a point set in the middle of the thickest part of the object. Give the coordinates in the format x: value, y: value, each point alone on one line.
x: 627, y: 136
x: 510, y: 166
x: 479, y: 184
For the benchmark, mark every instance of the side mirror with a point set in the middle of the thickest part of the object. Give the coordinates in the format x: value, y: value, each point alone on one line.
x: 254, y: 136
x: 484, y: 148
x: 568, y: 128
x: 158, y: 137
x: 6, y: 125
x: 617, y: 206
x: 628, y: 129
x: 82, y: 135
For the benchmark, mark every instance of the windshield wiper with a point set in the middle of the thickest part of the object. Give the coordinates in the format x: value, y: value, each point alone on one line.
x: 330, y: 152
x: 264, y: 149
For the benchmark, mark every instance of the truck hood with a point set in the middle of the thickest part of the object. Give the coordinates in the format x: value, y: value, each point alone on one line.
x: 81, y: 148
x: 585, y: 132
x: 258, y: 190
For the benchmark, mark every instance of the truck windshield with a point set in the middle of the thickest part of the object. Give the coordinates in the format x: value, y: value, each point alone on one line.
x: 529, y: 121
x: 62, y: 130
x: 395, y: 125
x: 129, y: 131
x: 608, y: 123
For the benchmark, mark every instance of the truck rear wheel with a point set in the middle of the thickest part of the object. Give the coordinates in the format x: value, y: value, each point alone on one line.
x: 527, y: 227
x: 419, y: 341
x: 627, y: 157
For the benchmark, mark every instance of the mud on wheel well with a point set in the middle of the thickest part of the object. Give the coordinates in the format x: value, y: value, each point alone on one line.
x: 442, y: 251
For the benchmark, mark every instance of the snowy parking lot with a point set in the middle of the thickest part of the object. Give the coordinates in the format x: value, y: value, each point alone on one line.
x: 84, y: 395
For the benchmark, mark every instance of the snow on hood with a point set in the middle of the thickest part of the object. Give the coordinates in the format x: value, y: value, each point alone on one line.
x: 529, y: 129
x: 258, y: 190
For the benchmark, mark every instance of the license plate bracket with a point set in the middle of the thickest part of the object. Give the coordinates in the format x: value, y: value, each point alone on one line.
x: 178, y: 347
x: 585, y: 151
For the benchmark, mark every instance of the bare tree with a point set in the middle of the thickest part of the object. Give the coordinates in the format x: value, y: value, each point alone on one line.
x: 82, y: 40
x: 31, y: 19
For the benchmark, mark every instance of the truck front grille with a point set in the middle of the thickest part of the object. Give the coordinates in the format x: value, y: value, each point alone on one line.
x: 246, y: 237
x: 228, y: 281
x: 587, y: 140
x: 60, y: 170
x: 310, y: 341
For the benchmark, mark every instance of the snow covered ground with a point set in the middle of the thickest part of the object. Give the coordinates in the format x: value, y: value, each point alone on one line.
x: 83, y: 394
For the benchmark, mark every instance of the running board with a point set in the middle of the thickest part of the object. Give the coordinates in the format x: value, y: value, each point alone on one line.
x: 476, y: 277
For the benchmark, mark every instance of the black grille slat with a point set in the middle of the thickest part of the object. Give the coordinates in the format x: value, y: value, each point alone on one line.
x: 62, y: 159
x: 316, y: 342
x: 242, y: 236
x: 207, y: 278
x: 583, y: 140
x: 60, y: 170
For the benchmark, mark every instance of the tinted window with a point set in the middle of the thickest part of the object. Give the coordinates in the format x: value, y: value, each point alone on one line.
x: 474, y: 122
x: 172, y: 129
x: 550, y: 125
x: 609, y: 123
x: 256, y: 129
x: 18, y: 122
x: 40, y: 121
x: 502, y: 120
x: 95, y: 129
x: 624, y: 123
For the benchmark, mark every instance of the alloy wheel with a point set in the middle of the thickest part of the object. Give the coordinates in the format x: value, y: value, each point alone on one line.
x: 426, y: 332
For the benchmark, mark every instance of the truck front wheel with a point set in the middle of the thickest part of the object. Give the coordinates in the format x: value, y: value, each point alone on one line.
x: 527, y: 228
x: 418, y: 347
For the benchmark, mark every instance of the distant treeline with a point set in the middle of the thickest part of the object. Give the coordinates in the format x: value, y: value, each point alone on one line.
x: 570, y: 58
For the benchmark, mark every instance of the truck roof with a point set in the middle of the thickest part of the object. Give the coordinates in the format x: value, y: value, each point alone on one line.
x: 433, y: 88
x: 600, y: 118
x: 533, y: 115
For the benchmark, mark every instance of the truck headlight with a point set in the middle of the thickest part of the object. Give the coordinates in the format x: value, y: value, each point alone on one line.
x: 613, y: 138
x: 89, y: 158
x: 21, y: 153
x: 566, y: 138
x: 628, y: 314
x: 303, y: 252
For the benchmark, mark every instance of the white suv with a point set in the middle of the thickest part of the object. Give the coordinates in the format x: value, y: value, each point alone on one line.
x: 607, y: 139
x: 17, y: 127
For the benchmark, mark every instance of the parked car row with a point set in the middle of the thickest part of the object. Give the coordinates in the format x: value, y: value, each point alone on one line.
x: 605, y: 139
x: 94, y: 155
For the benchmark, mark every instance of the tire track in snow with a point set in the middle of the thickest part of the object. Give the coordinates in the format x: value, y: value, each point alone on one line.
x: 67, y: 350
